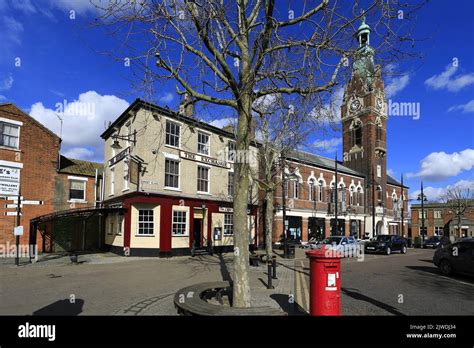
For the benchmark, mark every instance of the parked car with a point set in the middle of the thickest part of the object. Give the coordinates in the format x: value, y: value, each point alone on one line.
x: 338, y: 243
x: 386, y: 244
x: 456, y: 258
x: 432, y: 242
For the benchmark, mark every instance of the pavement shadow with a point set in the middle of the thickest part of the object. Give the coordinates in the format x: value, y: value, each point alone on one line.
x: 294, y: 269
x: 426, y: 260
x: 355, y: 294
x: 224, y: 271
x: 435, y: 271
x: 61, y: 307
x: 289, y: 307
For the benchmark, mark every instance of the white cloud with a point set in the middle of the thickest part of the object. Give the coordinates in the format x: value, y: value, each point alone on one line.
x: 222, y: 122
x: 6, y: 83
x: 447, y: 80
x: 465, y: 108
x: 327, y: 145
x: 79, y: 153
x: 438, y: 166
x: 395, y: 81
x: 167, y: 98
x: 80, y: 6
x: 390, y: 172
x: 437, y: 193
x: 2, y: 97
x: 24, y: 6
x: 11, y: 30
x: 83, y: 119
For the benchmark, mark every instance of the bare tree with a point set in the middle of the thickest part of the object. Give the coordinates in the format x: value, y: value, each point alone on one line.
x: 458, y: 200
x: 231, y: 53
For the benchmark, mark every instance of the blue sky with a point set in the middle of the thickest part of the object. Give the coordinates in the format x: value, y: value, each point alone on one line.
x: 47, y: 58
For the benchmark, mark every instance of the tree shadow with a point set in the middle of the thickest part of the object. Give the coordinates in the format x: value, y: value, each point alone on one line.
x: 355, y: 294
x: 61, y: 307
x: 224, y: 271
x: 289, y: 307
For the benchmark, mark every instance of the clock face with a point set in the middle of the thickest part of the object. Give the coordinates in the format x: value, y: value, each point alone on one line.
x: 379, y: 103
x: 355, y: 105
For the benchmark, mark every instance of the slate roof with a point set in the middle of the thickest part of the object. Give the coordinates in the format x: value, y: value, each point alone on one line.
x: 320, y: 161
x: 79, y: 167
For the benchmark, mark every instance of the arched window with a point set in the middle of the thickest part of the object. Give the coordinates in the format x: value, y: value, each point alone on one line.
x: 312, y: 196
x: 379, y: 132
x: 359, y: 196
x: 321, y: 190
x: 341, y: 193
x: 351, y: 196
x: 358, y: 135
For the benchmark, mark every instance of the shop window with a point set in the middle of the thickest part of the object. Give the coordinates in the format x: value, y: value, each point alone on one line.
x: 228, y: 224
x: 179, y: 223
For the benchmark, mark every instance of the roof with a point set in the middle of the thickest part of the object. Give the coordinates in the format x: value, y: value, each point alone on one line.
x: 392, y: 181
x: 139, y: 103
x: 40, y: 125
x: 320, y: 161
x: 78, y: 167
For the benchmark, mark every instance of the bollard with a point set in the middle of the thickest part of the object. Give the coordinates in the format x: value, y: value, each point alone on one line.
x: 274, y: 266
x: 269, y: 282
x: 325, y: 282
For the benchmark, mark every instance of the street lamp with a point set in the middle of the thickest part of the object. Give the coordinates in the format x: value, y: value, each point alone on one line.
x: 422, y: 198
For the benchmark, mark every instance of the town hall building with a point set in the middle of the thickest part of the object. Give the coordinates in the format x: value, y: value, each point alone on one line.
x: 368, y: 201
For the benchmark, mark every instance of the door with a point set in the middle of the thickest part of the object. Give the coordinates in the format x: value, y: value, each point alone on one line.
x: 197, y: 233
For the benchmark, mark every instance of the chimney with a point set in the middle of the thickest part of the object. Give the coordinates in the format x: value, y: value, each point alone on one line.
x: 229, y: 128
x: 186, y: 107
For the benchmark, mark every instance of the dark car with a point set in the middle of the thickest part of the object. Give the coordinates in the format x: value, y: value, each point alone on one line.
x: 386, y: 244
x: 432, y: 242
x: 456, y: 258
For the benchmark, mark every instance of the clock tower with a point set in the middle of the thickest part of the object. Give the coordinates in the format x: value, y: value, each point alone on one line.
x: 364, y: 120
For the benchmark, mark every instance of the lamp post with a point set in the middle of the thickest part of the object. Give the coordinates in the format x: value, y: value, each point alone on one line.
x: 422, y: 198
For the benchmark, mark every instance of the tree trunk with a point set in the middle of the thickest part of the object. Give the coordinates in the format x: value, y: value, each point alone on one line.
x: 241, y: 285
x: 269, y: 224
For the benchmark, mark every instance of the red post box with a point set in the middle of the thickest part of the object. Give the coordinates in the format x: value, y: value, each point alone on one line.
x: 325, y: 282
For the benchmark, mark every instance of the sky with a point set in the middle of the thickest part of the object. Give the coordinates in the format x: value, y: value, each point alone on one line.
x: 50, y: 61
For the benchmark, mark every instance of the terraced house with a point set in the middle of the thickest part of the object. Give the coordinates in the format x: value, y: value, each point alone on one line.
x: 171, y: 177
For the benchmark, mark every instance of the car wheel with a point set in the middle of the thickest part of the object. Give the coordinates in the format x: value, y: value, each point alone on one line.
x: 404, y: 249
x: 445, y: 267
x: 388, y: 251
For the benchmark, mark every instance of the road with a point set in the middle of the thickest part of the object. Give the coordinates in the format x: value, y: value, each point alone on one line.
x: 395, y: 285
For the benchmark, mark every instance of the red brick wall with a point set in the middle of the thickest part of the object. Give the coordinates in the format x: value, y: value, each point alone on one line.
x: 62, y: 192
x: 38, y: 151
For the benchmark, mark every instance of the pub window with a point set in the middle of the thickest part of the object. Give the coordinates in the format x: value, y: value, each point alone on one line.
x: 125, y: 174
x: 229, y: 224
x: 230, y: 184
x: 77, y: 190
x: 179, y: 223
x: 172, y: 133
x: 145, y: 221
x: 203, y: 143
x: 119, y: 224
x: 10, y: 134
x: 231, y: 151
x: 203, y: 179
x: 171, y: 173
x: 112, y: 181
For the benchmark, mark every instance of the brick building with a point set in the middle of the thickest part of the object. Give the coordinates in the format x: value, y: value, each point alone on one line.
x: 30, y: 162
x: 369, y: 201
x: 441, y: 220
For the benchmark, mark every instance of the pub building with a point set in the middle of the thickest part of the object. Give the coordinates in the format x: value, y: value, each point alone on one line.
x: 171, y: 176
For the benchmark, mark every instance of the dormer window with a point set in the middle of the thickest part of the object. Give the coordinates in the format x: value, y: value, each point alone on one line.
x: 9, y: 135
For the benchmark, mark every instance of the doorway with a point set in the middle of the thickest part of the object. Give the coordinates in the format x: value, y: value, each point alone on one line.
x: 197, y: 233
